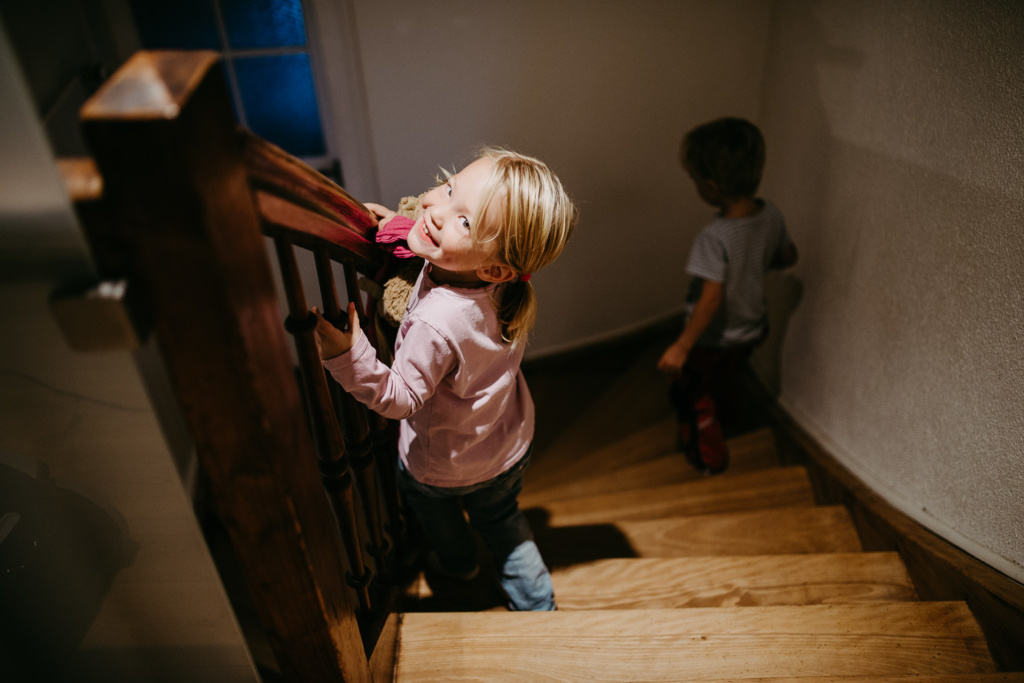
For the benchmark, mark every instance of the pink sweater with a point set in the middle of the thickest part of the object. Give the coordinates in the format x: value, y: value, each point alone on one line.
x: 467, y: 415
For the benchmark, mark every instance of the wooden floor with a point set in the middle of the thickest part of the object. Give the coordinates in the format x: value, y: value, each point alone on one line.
x: 662, y: 574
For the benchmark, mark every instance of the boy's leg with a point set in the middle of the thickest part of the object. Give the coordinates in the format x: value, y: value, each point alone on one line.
x: 494, y: 511
x: 440, y: 516
x: 728, y: 386
x: 680, y: 396
x: 710, y: 441
x: 700, y: 434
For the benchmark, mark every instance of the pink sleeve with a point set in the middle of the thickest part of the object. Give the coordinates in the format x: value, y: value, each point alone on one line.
x: 395, y: 233
x: 423, y: 360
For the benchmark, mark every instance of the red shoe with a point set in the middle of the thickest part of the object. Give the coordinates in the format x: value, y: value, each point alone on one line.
x: 709, y: 455
x: 714, y: 456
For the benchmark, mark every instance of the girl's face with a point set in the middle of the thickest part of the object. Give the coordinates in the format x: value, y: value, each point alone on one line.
x: 442, y: 233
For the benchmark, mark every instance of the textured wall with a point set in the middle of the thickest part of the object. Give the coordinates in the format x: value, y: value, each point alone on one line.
x: 602, y: 90
x: 896, y: 137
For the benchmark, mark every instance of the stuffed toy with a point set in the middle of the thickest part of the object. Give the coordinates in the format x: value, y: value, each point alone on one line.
x: 397, y: 287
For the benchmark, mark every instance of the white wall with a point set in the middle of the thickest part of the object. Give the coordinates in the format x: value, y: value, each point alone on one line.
x: 897, y: 137
x: 600, y: 90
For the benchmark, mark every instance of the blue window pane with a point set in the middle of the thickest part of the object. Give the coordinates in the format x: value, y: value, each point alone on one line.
x: 280, y: 103
x: 176, y: 24
x: 263, y: 23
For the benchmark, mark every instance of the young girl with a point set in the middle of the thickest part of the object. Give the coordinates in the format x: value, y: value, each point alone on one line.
x: 467, y: 415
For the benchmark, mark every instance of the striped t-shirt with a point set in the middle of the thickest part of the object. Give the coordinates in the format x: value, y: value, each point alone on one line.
x: 738, y: 252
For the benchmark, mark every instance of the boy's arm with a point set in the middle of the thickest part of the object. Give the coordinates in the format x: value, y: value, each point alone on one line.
x: 703, y: 312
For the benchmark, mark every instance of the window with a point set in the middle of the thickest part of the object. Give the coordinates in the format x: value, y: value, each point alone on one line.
x: 266, y: 58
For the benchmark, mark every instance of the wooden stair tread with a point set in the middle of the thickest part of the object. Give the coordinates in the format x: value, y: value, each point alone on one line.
x: 781, y: 487
x: 802, y: 530
x: 614, y: 410
x: 694, y: 644
x: 754, y: 451
x: 1002, y: 677
x: 648, y: 443
x: 779, y: 531
x: 730, y: 581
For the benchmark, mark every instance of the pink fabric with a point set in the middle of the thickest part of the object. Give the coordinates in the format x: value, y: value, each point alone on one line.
x: 467, y: 414
x: 395, y: 233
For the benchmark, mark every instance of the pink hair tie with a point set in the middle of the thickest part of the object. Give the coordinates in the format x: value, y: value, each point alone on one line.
x: 525, y: 277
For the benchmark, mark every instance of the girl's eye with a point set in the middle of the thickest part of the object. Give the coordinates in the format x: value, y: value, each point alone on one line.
x: 465, y: 222
x: 448, y: 189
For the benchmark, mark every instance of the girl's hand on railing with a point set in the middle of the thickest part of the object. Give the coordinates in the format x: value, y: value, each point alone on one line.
x: 383, y: 214
x: 333, y: 342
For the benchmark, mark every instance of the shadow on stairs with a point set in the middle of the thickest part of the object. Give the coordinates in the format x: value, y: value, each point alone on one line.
x: 663, y: 574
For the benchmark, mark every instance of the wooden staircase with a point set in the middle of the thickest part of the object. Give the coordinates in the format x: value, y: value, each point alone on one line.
x: 660, y: 574
x: 663, y: 574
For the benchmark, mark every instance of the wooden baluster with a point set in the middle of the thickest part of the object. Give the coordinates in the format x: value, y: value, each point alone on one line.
x: 357, y: 429
x: 334, y: 468
x: 385, y: 444
x: 385, y: 448
x: 351, y: 282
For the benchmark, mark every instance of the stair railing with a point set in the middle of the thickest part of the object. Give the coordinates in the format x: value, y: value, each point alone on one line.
x: 178, y: 206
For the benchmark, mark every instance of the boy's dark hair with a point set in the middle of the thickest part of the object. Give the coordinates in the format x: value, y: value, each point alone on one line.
x: 729, y: 151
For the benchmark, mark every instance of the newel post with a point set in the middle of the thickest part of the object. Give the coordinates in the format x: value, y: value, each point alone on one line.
x: 162, y: 132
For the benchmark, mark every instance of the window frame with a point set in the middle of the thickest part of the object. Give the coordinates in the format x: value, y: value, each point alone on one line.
x: 336, y: 60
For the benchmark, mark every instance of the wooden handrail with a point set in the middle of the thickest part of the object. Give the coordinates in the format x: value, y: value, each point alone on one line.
x: 311, y: 230
x: 294, y: 197
x: 319, y: 215
x: 180, y: 210
x: 274, y: 170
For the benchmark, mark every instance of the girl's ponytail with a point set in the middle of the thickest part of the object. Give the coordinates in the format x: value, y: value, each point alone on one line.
x: 517, y: 311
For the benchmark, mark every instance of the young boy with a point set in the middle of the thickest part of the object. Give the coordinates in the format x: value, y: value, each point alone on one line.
x: 726, y: 312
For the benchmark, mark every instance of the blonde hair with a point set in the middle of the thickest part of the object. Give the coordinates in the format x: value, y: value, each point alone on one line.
x: 526, y: 218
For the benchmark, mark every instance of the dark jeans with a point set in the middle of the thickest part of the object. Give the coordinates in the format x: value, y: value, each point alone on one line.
x: 493, y: 509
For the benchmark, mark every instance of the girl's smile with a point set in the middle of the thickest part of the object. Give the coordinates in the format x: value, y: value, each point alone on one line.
x: 426, y: 232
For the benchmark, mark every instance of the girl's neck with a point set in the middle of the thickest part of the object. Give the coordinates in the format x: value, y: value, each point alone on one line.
x: 466, y: 279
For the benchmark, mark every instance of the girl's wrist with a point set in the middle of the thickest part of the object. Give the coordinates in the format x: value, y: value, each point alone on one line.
x: 332, y: 351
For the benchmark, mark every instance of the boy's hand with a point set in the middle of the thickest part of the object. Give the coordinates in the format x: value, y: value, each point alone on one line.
x: 330, y: 340
x: 383, y: 214
x: 673, y: 359
x: 711, y: 295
